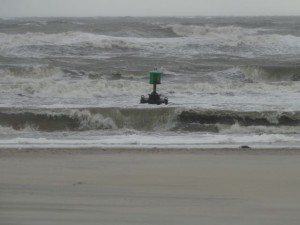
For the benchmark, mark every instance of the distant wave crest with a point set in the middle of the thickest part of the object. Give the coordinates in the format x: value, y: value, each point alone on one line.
x: 191, y: 40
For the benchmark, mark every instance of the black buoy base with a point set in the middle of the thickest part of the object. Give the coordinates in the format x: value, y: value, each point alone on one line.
x: 154, y: 98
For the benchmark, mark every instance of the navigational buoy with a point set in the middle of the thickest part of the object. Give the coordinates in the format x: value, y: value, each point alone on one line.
x: 154, y: 97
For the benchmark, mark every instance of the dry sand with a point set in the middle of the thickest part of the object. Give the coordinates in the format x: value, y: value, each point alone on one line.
x: 93, y: 186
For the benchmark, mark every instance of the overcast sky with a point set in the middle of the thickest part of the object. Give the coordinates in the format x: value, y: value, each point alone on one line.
x: 20, y: 8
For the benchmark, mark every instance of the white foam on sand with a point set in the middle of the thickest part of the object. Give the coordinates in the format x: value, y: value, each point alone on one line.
x: 196, y: 140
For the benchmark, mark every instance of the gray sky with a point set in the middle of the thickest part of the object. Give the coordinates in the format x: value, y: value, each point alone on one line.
x: 20, y: 8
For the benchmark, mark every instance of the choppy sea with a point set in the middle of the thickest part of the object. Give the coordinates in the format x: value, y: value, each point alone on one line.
x: 77, y: 82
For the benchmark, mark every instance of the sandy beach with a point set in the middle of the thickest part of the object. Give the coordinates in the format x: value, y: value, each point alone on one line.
x: 97, y: 186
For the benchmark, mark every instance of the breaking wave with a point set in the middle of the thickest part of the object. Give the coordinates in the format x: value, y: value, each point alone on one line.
x: 198, y: 31
x: 45, y: 81
x: 241, y: 118
x: 151, y: 119
x: 85, y: 88
x: 60, y: 39
x: 191, y: 40
x: 271, y: 73
x: 87, y: 119
x: 34, y: 71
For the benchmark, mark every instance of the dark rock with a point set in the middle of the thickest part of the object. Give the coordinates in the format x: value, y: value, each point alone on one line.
x: 245, y: 147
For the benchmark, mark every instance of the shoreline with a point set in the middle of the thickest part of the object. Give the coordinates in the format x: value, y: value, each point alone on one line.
x: 45, y: 152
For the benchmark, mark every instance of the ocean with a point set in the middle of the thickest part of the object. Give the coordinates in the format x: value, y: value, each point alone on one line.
x: 77, y: 82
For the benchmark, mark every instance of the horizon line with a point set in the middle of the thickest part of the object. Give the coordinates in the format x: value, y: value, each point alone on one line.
x: 138, y: 16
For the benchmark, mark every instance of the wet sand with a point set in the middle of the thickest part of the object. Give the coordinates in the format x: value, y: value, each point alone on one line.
x: 97, y: 186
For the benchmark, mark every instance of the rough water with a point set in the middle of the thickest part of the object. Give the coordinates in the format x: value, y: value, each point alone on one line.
x: 77, y: 82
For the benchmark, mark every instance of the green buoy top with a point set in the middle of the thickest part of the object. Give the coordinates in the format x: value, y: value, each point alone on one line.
x: 155, y: 77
